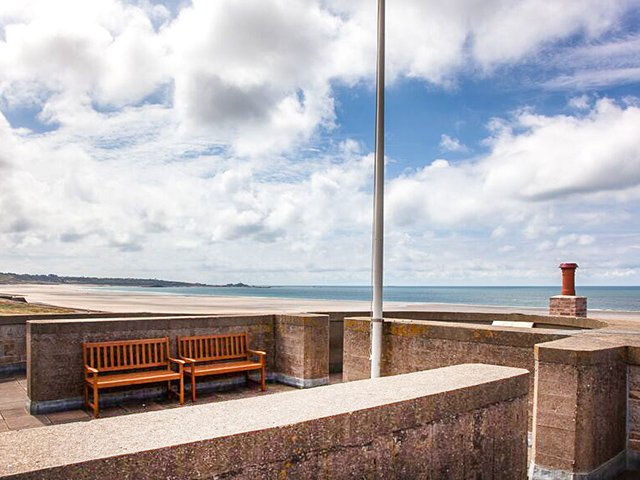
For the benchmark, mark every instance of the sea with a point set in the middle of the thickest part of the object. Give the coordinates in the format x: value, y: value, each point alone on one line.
x: 598, y: 298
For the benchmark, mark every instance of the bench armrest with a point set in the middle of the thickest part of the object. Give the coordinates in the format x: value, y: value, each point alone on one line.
x: 177, y: 360
x: 258, y: 353
x: 188, y: 360
x: 89, y: 369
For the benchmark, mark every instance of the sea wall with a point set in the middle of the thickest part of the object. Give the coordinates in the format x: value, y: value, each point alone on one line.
x: 460, y: 422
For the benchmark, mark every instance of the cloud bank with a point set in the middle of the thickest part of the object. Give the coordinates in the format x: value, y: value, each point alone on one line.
x: 191, y: 143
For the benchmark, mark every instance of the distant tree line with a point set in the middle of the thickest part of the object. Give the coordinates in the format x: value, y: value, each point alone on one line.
x: 12, y: 278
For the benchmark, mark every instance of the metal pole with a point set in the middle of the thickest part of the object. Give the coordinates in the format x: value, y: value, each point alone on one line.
x: 378, y: 205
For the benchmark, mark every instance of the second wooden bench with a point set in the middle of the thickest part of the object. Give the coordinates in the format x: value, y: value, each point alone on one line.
x: 219, y: 354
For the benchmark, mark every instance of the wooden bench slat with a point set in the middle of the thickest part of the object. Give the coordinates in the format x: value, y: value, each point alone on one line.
x: 134, y: 378
x: 213, y: 368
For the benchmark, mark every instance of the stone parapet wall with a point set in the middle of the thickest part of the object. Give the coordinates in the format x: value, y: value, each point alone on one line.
x: 410, y: 346
x: 13, y: 349
x: 297, y: 349
x: 460, y: 422
x: 13, y: 334
x: 580, y: 409
x: 54, y: 349
x: 633, y: 421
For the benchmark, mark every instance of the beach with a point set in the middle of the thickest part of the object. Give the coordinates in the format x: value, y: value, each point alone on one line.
x: 85, y: 297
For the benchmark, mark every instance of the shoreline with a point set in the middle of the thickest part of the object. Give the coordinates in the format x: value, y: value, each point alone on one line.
x: 81, y: 297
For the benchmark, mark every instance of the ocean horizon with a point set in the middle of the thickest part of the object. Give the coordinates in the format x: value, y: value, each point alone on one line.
x: 598, y: 298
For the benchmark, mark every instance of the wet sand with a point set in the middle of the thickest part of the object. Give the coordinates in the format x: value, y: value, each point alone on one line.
x: 81, y: 297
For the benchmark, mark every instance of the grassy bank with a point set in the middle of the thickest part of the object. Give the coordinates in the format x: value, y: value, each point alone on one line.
x: 10, y: 307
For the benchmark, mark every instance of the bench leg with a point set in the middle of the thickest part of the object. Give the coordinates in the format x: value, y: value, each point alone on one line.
x: 96, y: 402
x: 181, y: 389
x: 193, y: 388
x: 264, y: 374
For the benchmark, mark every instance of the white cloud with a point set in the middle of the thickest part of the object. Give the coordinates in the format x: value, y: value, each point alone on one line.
x: 544, y: 176
x: 598, y: 64
x: 213, y: 173
x: 582, y: 102
x: 574, y: 239
x: 450, y: 144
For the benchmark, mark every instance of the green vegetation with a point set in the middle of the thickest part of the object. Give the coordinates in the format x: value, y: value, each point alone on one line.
x: 13, y: 278
x: 11, y: 307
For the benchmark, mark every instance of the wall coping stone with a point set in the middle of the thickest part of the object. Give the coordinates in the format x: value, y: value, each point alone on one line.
x: 303, y: 319
x: 23, y: 318
x: 512, y: 336
x: 96, y: 325
x: 440, y: 393
x: 581, y: 350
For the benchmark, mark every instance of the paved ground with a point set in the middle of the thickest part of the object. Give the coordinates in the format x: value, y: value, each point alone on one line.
x: 14, y: 416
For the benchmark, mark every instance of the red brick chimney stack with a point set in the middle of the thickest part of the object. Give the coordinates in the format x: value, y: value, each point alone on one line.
x: 568, y: 278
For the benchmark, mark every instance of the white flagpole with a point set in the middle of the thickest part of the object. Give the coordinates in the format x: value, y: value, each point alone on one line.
x: 378, y: 205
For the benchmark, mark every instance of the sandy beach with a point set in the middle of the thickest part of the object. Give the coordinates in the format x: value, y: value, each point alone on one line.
x: 86, y: 298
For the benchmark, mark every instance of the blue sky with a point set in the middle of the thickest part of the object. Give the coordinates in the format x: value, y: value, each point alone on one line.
x: 233, y: 141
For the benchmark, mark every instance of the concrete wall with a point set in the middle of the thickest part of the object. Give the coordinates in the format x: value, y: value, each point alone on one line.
x: 633, y: 398
x: 54, y: 351
x: 302, y: 349
x: 456, y: 423
x: 13, y: 329
x: 580, y: 409
x: 410, y: 346
x: 13, y: 334
x: 459, y: 318
x: 13, y: 349
x: 297, y: 349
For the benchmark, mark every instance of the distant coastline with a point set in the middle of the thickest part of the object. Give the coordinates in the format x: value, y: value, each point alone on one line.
x: 600, y: 298
x: 19, y: 278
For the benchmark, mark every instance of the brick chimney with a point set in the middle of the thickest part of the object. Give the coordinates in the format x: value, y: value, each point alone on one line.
x: 568, y: 303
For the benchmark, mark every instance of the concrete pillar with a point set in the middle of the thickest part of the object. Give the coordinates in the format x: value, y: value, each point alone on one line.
x: 302, y: 349
x: 579, y: 429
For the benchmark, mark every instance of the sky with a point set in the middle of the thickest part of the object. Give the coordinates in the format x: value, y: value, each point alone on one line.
x: 232, y: 140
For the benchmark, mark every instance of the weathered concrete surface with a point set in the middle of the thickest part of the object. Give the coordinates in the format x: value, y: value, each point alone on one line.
x: 580, y: 407
x: 302, y: 349
x: 410, y: 346
x: 13, y: 351
x: 54, y: 348
x: 336, y: 320
x: 13, y: 334
x: 461, y: 422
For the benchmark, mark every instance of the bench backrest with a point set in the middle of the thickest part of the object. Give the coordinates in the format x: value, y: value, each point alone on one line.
x: 127, y: 354
x: 205, y: 348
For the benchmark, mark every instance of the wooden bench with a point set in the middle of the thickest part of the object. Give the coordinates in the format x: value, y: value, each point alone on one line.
x: 129, y: 362
x: 219, y: 354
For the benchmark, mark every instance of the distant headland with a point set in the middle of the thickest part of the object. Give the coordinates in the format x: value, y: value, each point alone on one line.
x: 13, y: 278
